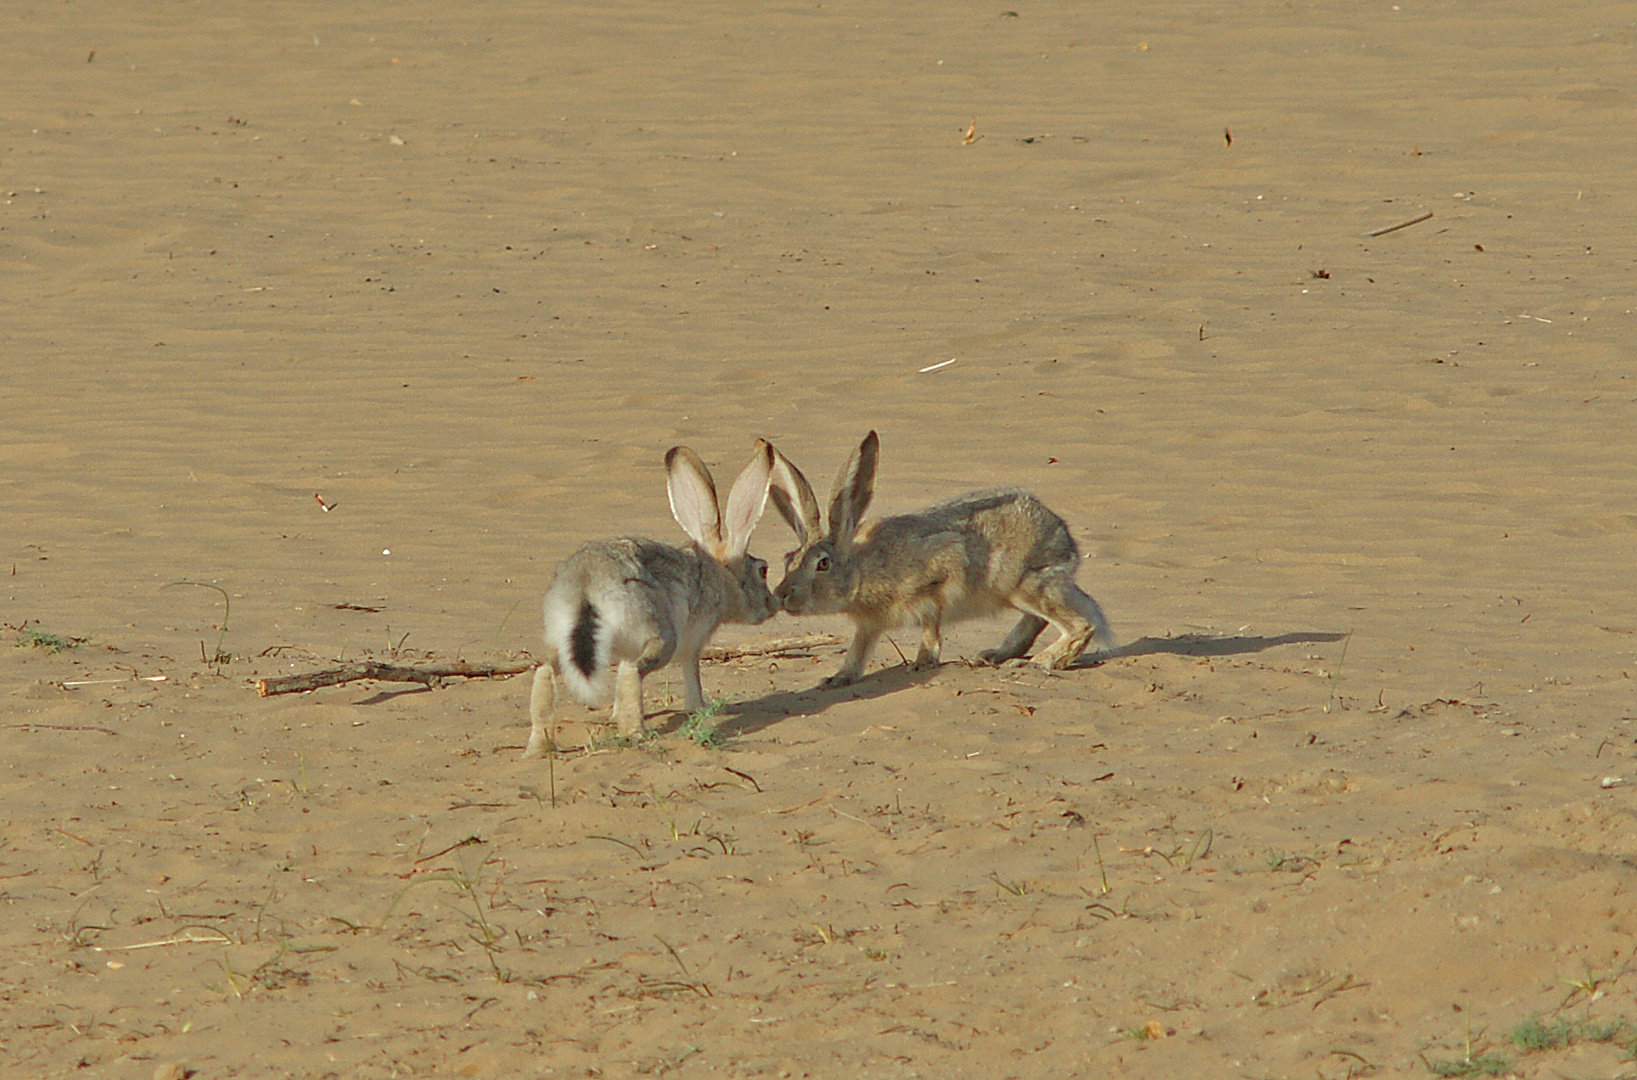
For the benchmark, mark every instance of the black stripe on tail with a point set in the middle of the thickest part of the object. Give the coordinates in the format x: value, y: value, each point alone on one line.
x: 582, y: 640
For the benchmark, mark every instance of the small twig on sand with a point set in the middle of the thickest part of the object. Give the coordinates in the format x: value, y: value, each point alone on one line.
x: 770, y: 648
x: 1402, y: 224
x: 433, y: 675
x: 187, y: 936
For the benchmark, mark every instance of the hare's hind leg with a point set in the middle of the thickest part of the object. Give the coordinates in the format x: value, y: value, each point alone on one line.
x: 542, y: 699
x: 932, y: 643
x: 628, y: 714
x: 1017, y: 642
x: 1056, y: 598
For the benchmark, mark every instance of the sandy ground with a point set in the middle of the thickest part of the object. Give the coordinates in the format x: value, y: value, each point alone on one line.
x: 1356, y: 798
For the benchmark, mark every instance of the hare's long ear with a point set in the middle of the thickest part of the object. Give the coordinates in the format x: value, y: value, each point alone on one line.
x: 854, y: 487
x: 747, y: 499
x: 793, y: 498
x: 693, y: 498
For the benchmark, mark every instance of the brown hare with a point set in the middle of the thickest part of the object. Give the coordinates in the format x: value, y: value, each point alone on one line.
x: 974, y: 555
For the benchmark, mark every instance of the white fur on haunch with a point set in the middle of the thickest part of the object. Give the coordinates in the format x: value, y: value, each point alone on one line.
x: 563, y: 608
x: 650, y: 601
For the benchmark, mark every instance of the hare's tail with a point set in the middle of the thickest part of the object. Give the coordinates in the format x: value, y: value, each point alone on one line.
x: 582, y: 634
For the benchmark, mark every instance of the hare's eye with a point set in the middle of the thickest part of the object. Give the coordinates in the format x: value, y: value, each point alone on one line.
x: 761, y: 568
x: 823, y: 564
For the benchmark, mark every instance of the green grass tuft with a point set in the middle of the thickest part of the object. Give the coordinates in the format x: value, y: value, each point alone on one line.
x: 1482, y: 1065
x: 1534, y: 1035
x: 40, y: 639
x: 698, y: 729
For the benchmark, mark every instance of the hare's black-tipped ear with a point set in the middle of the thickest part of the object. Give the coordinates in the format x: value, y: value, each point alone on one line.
x: 747, y: 499
x: 854, y: 487
x: 793, y: 498
x: 693, y: 497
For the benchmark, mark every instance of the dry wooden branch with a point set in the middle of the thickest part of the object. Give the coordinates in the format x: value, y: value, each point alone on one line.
x: 800, y: 642
x: 1403, y: 224
x: 437, y: 675
x: 434, y: 675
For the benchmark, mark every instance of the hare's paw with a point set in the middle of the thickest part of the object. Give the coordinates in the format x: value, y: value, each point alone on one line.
x: 1066, y: 651
x: 839, y: 679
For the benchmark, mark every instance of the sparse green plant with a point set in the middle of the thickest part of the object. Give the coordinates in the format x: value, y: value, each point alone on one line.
x: 1102, y: 870
x: 1586, y: 986
x: 217, y: 657
x: 465, y: 877
x: 698, y: 729
x: 1335, y: 673
x: 504, y: 620
x: 1200, y: 848
x: 637, y: 740
x: 687, y: 982
x: 234, y: 977
x: 1474, y: 1061
x: 40, y: 639
x: 1185, y: 854
x: 1620, y: 1031
x: 92, y: 863
x: 1532, y: 1034
x: 1290, y: 864
x: 1480, y: 1065
x: 300, y: 784
x: 1535, y: 1034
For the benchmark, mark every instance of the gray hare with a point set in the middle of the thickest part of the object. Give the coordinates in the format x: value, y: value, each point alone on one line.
x: 978, y: 554
x: 620, y: 609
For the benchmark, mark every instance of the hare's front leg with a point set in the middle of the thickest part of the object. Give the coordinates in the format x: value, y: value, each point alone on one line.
x: 858, y: 653
x: 688, y: 649
x: 693, y: 694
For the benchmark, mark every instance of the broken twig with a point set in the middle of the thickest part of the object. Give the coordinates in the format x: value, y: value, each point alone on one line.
x: 1402, y: 224
x: 433, y: 675
x: 799, y: 643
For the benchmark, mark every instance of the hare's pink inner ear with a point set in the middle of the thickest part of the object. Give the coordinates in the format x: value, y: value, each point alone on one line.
x: 793, y: 498
x: 693, y: 497
x: 854, y: 487
x: 747, y: 499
